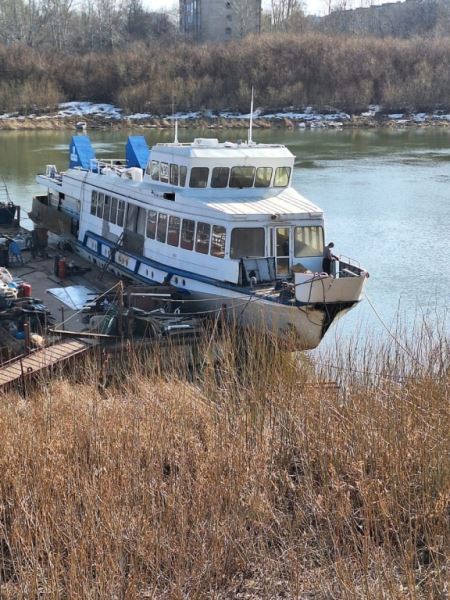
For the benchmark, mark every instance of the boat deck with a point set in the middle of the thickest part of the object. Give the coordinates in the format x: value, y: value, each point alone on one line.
x: 39, y: 272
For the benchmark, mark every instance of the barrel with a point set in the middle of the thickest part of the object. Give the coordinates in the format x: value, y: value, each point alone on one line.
x: 26, y: 290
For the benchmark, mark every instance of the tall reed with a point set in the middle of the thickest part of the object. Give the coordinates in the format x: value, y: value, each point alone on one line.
x: 236, y: 471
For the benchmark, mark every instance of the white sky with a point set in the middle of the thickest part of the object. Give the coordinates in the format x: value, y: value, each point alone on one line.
x: 312, y: 6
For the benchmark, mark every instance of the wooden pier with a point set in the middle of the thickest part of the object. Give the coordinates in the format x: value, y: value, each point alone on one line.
x: 26, y: 366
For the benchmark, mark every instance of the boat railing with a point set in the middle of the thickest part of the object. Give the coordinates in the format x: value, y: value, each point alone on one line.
x: 117, y: 165
x: 51, y: 171
x: 348, y: 267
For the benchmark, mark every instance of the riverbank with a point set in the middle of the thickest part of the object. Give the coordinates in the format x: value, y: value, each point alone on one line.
x: 73, y: 115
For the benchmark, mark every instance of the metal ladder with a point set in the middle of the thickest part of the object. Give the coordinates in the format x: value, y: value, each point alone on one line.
x: 111, y: 256
x: 4, y: 194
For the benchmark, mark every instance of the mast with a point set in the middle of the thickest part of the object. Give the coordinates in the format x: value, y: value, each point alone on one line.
x: 250, y: 129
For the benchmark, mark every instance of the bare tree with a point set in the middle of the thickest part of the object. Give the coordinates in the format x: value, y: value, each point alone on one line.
x: 245, y: 17
x: 287, y: 14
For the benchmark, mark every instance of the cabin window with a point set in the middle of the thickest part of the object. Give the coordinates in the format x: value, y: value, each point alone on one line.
x: 152, y: 217
x: 173, y: 231
x: 132, y: 214
x: 263, y: 177
x: 247, y: 241
x: 308, y: 241
x: 141, y: 221
x: 242, y: 177
x: 282, y: 175
x: 199, y: 177
x: 202, y: 238
x: 120, y: 212
x: 107, y: 208
x: 219, y: 177
x: 187, y: 234
x: 113, y: 213
x: 94, y: 203
x: 174, y: 174
x: 183, y: 174
x: 154, y: 170
x: 164, y: 172
x: 100, y: 201
x: 218, y: 239
x: 161, y: 230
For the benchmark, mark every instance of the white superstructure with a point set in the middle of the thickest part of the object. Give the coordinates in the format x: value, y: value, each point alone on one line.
x: 219, y: 221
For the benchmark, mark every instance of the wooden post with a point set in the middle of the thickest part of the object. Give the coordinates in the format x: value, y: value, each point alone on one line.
x: 120, y: 313
x: 26, y: 330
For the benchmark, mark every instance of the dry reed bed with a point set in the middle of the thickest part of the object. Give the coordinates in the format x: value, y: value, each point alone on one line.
x: 246, y: 481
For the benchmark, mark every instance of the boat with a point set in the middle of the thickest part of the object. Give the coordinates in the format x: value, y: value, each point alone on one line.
x: 219, y: 221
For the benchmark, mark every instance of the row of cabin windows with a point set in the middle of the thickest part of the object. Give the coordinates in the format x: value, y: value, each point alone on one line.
x: 203, y: 237
x: 108, y: 208
x: 221, y: 177
x: 187, y: 234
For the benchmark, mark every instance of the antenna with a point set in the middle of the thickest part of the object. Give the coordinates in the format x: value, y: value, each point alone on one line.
x: 250, y: 129
x: 175, y: 140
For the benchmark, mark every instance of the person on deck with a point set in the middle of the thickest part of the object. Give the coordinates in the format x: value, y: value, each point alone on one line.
x: 328, y: 259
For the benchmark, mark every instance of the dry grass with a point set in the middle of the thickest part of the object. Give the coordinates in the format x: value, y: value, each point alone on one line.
x: 246, y: 481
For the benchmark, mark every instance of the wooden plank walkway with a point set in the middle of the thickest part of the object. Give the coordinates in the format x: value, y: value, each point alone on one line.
x: 41, y: 359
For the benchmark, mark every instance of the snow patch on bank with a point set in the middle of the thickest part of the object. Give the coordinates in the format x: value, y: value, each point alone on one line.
x: 85, y: 109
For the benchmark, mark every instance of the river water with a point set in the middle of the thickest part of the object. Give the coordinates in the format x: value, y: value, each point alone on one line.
x: 386, y: 197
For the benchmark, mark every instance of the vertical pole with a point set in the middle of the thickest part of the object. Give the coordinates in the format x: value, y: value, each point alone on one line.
x: 22, y: 377
x: 120, y: 315
x: 62, y: 319
x: 26, y: 330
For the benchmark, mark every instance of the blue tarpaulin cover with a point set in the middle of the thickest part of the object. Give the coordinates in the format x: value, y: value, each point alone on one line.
x: 81, y: 152
x: 137, y: 151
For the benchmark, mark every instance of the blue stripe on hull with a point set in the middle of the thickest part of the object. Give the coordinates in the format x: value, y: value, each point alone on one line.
x: 157, y: 265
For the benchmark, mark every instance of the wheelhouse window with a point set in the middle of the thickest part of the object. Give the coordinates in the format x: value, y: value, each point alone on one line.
x: 183, y: 174
x: 187, y: 234
x: 247, y: 241
x: 308, y: 241
x: 154, y: 170
x: 199, y: 177
x: 174, y: 174
x: 282, y: 175
x: 94, y: 203
x: 161, y: 230
x: 218, y: 240
x: 219, y: 177
x: 152, y: 217
x: 173, y: 231
x: 242, y: 177
x: 202, y: 238
x: 263, y: 177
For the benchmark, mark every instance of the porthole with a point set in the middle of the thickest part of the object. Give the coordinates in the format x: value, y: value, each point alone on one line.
x: 184, y: 281
x: 176, y: 280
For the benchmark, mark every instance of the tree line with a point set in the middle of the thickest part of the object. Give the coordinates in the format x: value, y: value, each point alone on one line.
x: 286, y: 69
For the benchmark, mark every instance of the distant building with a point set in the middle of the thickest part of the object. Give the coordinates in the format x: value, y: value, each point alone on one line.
x: 219, y: 20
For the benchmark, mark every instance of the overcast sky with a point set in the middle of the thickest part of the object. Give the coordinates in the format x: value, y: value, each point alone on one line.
x: 312, y: 6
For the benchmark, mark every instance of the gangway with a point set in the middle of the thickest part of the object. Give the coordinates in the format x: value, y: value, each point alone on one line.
x: 31, y: 364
